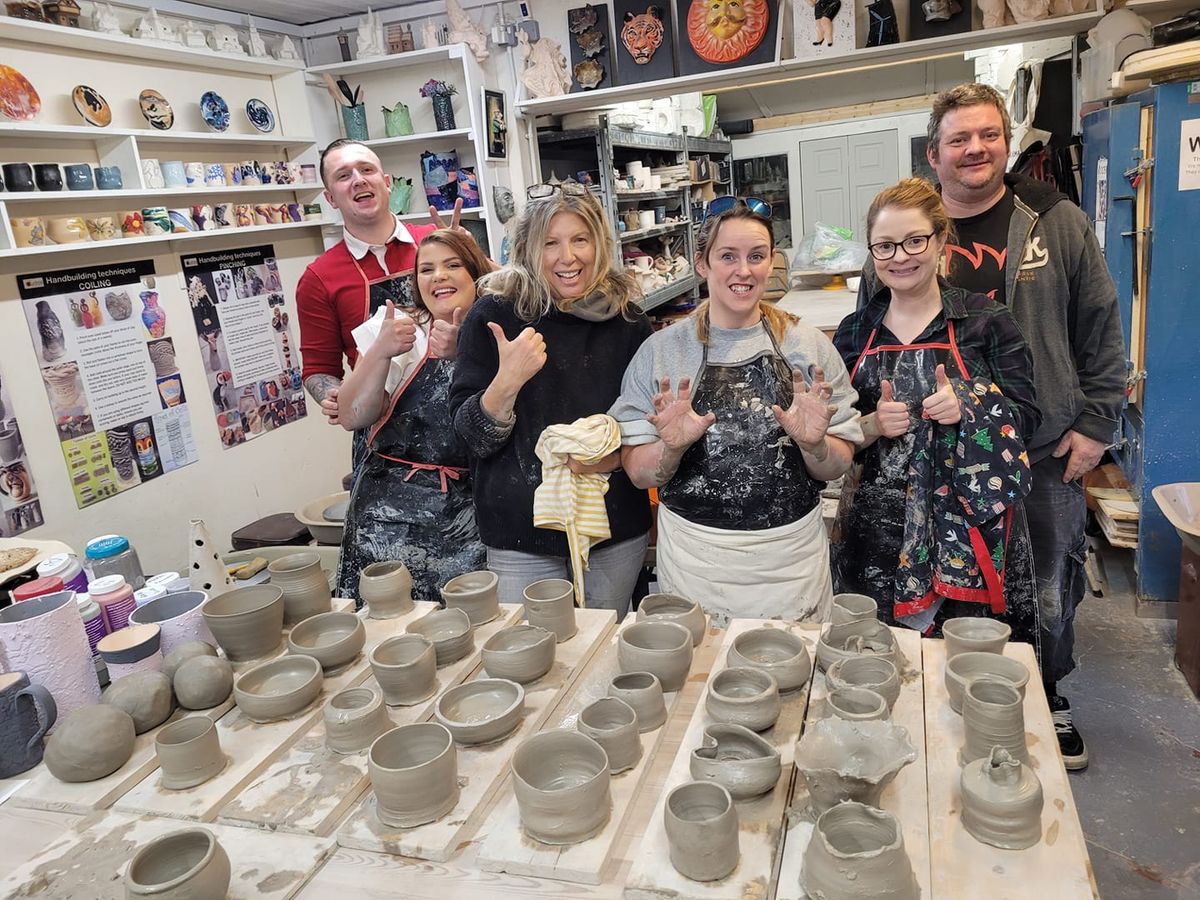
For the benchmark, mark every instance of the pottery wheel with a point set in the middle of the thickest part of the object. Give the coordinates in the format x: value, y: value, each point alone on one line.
x: 336, y: 512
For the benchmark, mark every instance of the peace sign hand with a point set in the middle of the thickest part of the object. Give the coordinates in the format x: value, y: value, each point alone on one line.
x: 435, y: 216
x: 807, y: 420
x: 678, y: 425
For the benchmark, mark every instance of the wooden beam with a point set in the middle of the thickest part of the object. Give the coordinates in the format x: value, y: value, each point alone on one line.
x: 841, y: 113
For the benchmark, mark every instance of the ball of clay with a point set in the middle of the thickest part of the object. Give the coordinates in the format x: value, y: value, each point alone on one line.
x: 90, y: 743
x: 181, y: 654
x: 203, y: 681
x: 146, y: 696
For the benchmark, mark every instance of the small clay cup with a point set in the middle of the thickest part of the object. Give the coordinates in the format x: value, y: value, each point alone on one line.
x: 871, y: 672
x: 414, y: 771
x: 550, y: 604
x: 739, y: 760
x: 405, y: 666
x: 386, y: 588
x: 849, y: 608
x: 146, y: 696
x: 857, y: 704
x: 354, y: 718
x: 612, y: 724
x: 643, y: 692
x: 90, y: 743
x: 561, y: 782
x: 189, y: 752
x: 993, y: 716
x: 673, y: 608
x: 779, y: 653
x: 662, y: 648
x: 867, y: 637
x: 203, y: 682
x: 334, y: 639
x: 481, y: 711
x: 134, y: 648
x: 246, y: 622
x: 974, y: 634
x: 743, y: 696
x: 858, y: 851
x: 520, y: 653
x: 178, y: 616
x: 962, y: 668
x: 450, y: 632
x: 475, y: 594
x: 702, y: 831
x: 184, y: 865
x: 279, y: 688
x: 304, y: 584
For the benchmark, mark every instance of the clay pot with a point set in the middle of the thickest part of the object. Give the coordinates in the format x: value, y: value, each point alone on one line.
x: 849, y: 608
x: 779, y: 653
x: 44, y: 638
x: 386, y: 588
x: 304, y: 584
x: 178, y: 617
x: 334, y: 639
x: 134, y: 648
x: 354, y: 718
x: 702, y: 831
x: 962, y: 668
x: 743, y: 696
x: 482, y: 710
x: 864, y: 638
x: 1001, y: 801
x: 247, y: 622
x: 279, y: 688
x: 663, y: 649
x: 181, y: 654
x: 450, y: 632
x: 993, y: 716
x: 739, y: 760
x: 974, y: 634
x: 643, y: 692
x: 550, y: 604
x: 673, y: 608
x: 189, y: 752
x: 561, y: 782
x: 612, y: 724
x: 146, y: 696
x: 855, y: 704
x: 406, y: 668
x: 521, y: 653
x: 858, y: 851
x: 203, y: 682
x: 414, y: 771
x: 475, y: 594
x: 26, y: 713
x: 872, y: 672
x: 842, y: 760
x: 184, y: 865
x: 90, y: 743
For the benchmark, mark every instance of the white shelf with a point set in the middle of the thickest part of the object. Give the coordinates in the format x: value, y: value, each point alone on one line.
x: 163, y: 238
x: 150, y: 193
x: 89, y: 133
x: 427, y: 137
x: 431, y: 55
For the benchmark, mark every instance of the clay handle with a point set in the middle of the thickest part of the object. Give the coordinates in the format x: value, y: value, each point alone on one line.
x: 44, y: 705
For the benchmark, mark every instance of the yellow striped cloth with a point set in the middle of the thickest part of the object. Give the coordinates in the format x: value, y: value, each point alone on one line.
x: 574, y: 503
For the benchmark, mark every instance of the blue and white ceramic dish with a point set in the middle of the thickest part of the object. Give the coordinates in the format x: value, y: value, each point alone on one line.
x: 214, y: 110
x: 260, y: 115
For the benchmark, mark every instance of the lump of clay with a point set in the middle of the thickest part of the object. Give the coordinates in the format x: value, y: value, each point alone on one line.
x: 146, y: 696
x: 181, y: 654
x: 90, y: 743
x: 203, y: 681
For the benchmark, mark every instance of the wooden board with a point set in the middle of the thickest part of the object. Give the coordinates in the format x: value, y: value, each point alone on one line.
x: 90, y: 862
x: 652, y: 877
x: 964, y: 868
x: 483, y: 768
x: 26, y: 832
x: 308, y: 788
x: 905, y: 797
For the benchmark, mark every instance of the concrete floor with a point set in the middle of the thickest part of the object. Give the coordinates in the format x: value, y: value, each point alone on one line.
x: 1139, y: 800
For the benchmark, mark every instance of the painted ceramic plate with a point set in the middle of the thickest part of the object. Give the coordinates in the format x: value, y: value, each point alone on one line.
x: 89, y: 104
x: 156, y: 109
x: 260, y: 115
x: 18, y: 99
x: 215, y: 111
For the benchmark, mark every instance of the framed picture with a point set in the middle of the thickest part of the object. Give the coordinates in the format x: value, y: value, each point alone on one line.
x: 495, y: 122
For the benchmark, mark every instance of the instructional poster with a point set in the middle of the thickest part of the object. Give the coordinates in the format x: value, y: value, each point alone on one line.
x: 246, y: 341
x: 20, y: 508
x: 109, y: 369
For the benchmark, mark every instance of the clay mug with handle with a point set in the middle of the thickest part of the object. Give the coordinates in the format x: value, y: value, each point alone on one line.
x: 26, y: 714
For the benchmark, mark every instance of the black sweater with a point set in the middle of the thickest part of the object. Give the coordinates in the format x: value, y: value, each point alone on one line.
x: 582, y: 376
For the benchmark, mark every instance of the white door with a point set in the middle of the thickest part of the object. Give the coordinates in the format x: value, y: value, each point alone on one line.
x: 840, y: 176
x: 874, y: 165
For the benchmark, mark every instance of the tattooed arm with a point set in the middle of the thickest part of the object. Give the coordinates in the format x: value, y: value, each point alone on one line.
x: 324, y: 389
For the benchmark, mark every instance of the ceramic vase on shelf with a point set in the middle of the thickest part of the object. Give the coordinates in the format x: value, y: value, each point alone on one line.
x: 397, y: 121
x: 355, y: 120
x: 443, y: 112
x: 401, y: 195
x: 205, y: 569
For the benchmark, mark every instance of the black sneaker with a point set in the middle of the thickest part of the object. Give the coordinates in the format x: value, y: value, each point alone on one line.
x: 1074, y: 752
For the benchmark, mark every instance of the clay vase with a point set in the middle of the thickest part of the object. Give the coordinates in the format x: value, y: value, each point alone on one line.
x: 386, y: 588
x: 246, y: 622
x: 181, y: 654
x: 44, y: 638
x: 702, y: 831
x: 974, y: 634
x: 414, y: 771
x: 871, y: 672
x: 858, y: 851
x: 779, y: 653
x: 206, y: 572
x: 134, y: 648
x: 184, y: 865
x: 849, y: 608
x: 450, y: 632
x: 612, y: 724
x: 1001, y: 801
x: 743, y: 696
x: 520, y: 653
x: 278, y: 689
x: 90, y: 743
x: 178, y: 618
x: 475, y: 594
x: 354, y: 718
x: 963, y: 668
x: 550, y: 604
x: 565, y: 802
x: 146, y: 696
x: 993, y: 716
x: 189, y: 753
x: 664, y: 649
x: 481, y: 711
x: 739, y: 760
x: 842, y: 760
x: 405, y: 667
x: 867, y: 637
x: 203, y: 682
x: 26, y: 714
x: 643, y: 693
x: 304, y: 584
x: 673, y: 608
x: 856, y: 704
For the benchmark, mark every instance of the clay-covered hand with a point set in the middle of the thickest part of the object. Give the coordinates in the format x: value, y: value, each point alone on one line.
x: 329, y: 406
x: 396, y: 336
x: 678, y: 425
x: 942, y: 404
x: 521, y: 358
x: 1085, y: 454
x: 807, y: 419
x: 443, y: 336
x: 891, y: 416
x: 609, y: 463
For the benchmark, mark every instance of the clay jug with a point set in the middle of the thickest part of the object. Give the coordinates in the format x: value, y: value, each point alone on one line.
x: 993, y: 716
x: 1001, y: 801
x: 44, y: 637
x: 858, y: 851
x: 26, y: 714
x: 304, y: 584
x: 550, y: 604
x: 206, y: 571
x: 702, y: 831
x: 386, y: 588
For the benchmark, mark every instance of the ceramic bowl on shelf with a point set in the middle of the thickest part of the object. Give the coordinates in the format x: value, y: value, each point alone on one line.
x: 90, y: 104
x: 260, y: 115
x: 214, y: 110
x: 156, y: 109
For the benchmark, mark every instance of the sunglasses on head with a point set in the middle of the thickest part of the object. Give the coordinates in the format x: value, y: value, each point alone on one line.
x: 724, y: 204
x: 542, y: 191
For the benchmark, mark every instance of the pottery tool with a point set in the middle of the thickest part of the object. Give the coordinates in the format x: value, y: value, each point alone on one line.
x: 344, y: 87
x: 248, y: 570
x: 334, y: 91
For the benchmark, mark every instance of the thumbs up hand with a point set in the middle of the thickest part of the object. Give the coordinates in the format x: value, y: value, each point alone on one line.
x: 891, y: 415
x: 942, y: 404
x: 520, y: 359
x: 443, y: 335
x: 397, y: 335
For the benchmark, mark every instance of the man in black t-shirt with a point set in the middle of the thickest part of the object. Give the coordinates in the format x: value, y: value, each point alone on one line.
x: 975, y: 258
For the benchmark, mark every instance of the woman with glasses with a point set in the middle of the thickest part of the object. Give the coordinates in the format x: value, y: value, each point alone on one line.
x: 930, y: 522
x: 546, y: 344
x: 739, y: 414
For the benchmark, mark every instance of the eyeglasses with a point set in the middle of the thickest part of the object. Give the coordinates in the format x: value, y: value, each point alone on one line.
x: 570, y: 188
x: 728, y: 202
x: 913, y: 246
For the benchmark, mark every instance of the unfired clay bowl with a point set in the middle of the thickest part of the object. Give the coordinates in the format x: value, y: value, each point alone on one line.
x: 561, y: 782
x: 475, y: 594
x: 333, y: 639
x: 743, y: 696
x: 674, y: 608
x: 279, y: 688
x: 779, y: 653
x: 612, y: 724
x: 842, y: 760
x: 405, y: 666
x: 739, y: 760
x: 644, y: 694
x: 184, y: 865
x: 520, y: 653
x: 246, y: 622
x: 482, y: 710
x: 974, y: 634
x: 856, y: 704
x: 849, y: 608
x: 414, y: 772
x: 550, y: 604
x: 450, y: 632
x: 858, y: 851
x: 965, y: 666
x: 662, y: 648
x: 386, y: 588
x: 354, y: 718
x: 872, y: 672
x: 864, y: 638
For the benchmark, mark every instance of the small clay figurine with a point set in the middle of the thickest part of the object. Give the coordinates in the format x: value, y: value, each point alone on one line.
x: 104, y: 19
x: 255, y: 43
x: 61, y: 12
x: 191, y: 36
x: 825, y: 11
x: 545, y: 72
x: 464, y: 30
x: 429, y: 34
x: 224, y: 39
x: 286, y: 49
x: 369, y: 41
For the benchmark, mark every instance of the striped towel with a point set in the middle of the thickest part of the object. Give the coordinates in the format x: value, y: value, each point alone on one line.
x: 574, y: 503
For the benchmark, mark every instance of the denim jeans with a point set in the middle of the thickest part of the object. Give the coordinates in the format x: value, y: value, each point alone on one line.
x: 608, y: 582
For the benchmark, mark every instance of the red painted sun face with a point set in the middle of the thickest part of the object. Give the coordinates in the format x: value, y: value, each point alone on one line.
x: 724, y: 31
